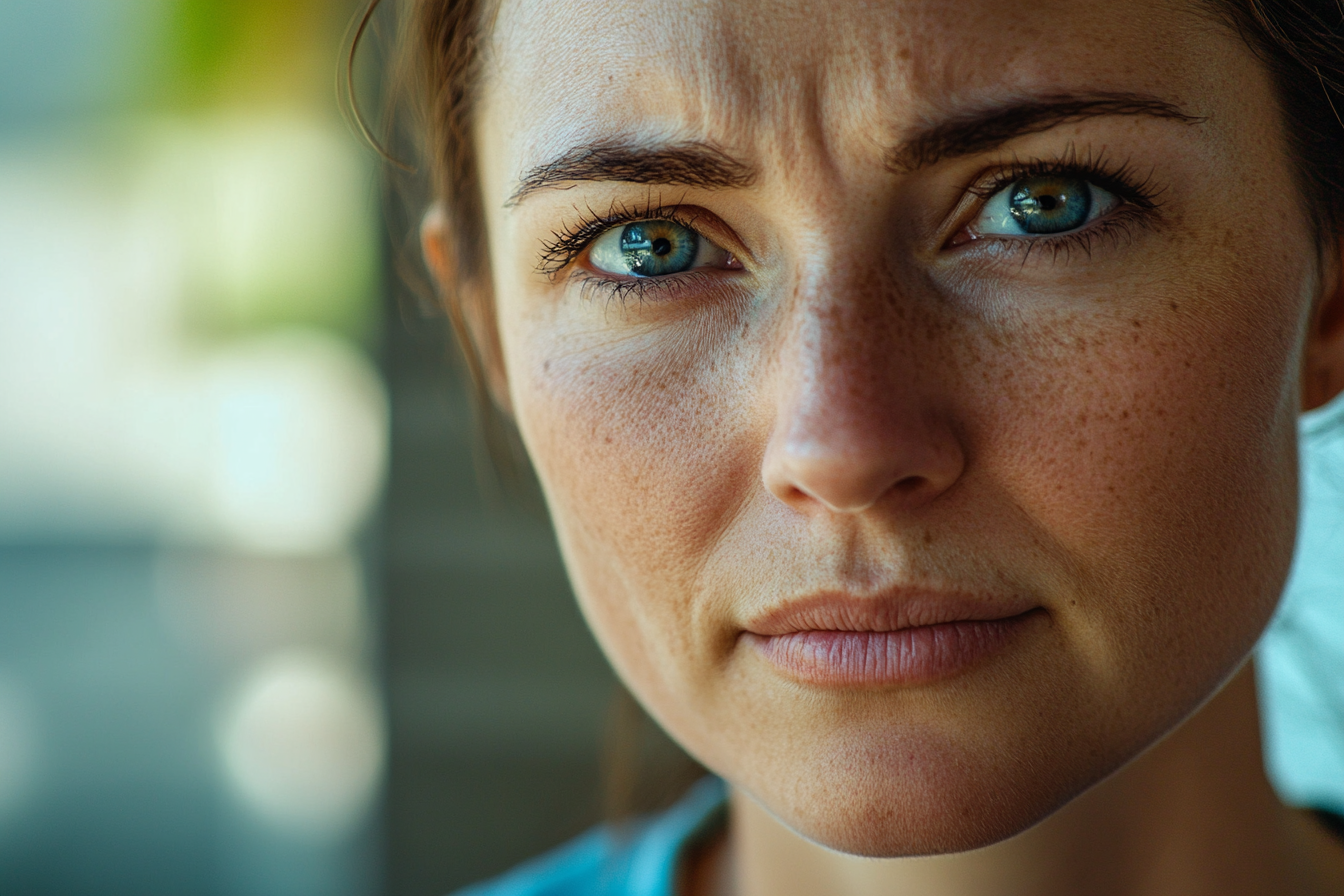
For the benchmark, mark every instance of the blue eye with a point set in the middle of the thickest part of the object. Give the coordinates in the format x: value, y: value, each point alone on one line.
x: 1043, y: 205
x: 653, y: 249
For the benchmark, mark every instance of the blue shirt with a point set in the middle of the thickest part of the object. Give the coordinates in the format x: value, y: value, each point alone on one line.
x: 1300, y: 660
x: 636, y: 860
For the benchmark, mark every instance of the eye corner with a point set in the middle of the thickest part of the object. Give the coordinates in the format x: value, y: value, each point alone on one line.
x: 963, y: 235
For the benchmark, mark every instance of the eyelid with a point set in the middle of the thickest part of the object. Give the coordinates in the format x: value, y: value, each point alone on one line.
x: 990, y: 179
x: 572, y: 242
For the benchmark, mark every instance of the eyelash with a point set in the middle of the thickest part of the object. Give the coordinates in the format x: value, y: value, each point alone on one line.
x: 1140, y: 205
x: 594, y: 286
x: 1139, y: 208
x: 568, y: 243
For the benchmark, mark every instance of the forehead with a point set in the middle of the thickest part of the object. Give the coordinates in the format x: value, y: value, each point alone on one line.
x: 561, y: 74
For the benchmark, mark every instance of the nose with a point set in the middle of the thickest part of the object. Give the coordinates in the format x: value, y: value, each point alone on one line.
x: 858, y: 421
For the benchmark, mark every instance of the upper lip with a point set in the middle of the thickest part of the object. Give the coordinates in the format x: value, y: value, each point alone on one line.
x: 890, y: 610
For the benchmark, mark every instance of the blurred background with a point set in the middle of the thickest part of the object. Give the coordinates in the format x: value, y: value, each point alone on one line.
x: 252, y: 601
x: 262, y: 631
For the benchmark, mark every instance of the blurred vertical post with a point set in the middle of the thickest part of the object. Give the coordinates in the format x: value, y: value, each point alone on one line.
x: 192, y: 440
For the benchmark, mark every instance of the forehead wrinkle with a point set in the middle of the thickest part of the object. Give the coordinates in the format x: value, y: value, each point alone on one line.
x: 726, y: 81
x: 806, y: 73
x: 784, y: 82
x: 654, y: 85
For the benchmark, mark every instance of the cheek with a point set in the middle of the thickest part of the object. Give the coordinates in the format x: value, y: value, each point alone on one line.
x: 1157, y: 456
x: 647, y: 452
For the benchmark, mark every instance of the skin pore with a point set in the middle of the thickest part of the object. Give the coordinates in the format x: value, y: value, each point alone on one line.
x: 860, y: 389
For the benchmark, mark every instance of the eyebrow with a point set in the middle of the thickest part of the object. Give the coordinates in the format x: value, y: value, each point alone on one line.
x: 981, y: 130
x: 700, y: 164
x: 690, y: 164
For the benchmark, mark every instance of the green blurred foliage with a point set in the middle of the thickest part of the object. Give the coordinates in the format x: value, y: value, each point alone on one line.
x: 253, y: 51
x: 273, y: 244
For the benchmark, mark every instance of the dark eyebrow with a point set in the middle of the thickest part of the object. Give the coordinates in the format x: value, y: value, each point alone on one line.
x: 691, y: 164
x: 985, y: 129
x: 698, y: 164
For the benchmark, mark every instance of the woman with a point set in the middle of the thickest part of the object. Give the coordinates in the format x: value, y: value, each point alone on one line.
x: 913, y: 386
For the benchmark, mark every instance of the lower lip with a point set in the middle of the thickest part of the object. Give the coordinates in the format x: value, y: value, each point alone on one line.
x: 917, y: 655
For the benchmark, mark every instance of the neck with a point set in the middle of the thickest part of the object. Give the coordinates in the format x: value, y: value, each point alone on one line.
x: 1194, y: 815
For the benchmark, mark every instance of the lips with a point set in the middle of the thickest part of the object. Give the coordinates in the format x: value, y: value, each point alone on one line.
x: 898, y: 637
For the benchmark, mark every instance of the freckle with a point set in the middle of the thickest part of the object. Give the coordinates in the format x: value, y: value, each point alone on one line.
x: 1175, y: 307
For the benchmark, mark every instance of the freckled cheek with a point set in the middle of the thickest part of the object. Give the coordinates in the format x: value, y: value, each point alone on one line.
x: 639, y: 463
x: 1161, y: 462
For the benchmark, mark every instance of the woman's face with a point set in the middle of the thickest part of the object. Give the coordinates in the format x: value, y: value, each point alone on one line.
x: 928, y: 450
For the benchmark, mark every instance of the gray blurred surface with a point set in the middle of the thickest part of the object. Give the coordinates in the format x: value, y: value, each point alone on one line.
x: 118, y: 761
x: 497, y: 694
x: 108, y: 771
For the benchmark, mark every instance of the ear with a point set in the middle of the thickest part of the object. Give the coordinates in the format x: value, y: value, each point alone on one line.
x: 470, y: 306
x: 1323, y: 361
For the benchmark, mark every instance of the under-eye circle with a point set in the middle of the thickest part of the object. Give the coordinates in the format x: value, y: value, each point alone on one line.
x: 653, y: 249
x: 1042, y: 205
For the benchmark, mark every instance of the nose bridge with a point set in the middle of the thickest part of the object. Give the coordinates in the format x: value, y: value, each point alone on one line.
x: 848, y: 352
x: 854, y: 421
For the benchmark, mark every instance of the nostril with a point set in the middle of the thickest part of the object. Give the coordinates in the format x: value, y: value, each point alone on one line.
x: 838, y: 477
x: 910, y: 484
x: 847, y: 449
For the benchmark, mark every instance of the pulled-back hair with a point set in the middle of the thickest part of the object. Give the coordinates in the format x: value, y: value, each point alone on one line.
x: 1301, y: 43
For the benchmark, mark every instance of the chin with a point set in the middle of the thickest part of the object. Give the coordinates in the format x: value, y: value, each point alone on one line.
x: 895, y: 830
x: 903, y: 799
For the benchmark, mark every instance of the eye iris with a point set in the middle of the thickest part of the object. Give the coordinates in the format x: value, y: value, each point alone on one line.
x: 1050, y: 204
x: 656, y: 248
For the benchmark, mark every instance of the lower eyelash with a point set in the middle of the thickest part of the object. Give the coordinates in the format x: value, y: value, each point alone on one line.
x: 594, y: 286
x: 1114, y: 229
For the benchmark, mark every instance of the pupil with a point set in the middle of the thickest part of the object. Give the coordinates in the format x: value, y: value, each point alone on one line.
x: 1050, y: 204
x: 657, y: 248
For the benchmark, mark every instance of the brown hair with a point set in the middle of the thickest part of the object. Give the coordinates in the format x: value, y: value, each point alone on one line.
x: 1301, y: 43
x: 430, y: 93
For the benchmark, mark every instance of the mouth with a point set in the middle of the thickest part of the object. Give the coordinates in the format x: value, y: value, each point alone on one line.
x: 895, y: 638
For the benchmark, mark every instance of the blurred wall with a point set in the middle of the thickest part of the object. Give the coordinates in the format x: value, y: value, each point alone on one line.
x: 498, y: 696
